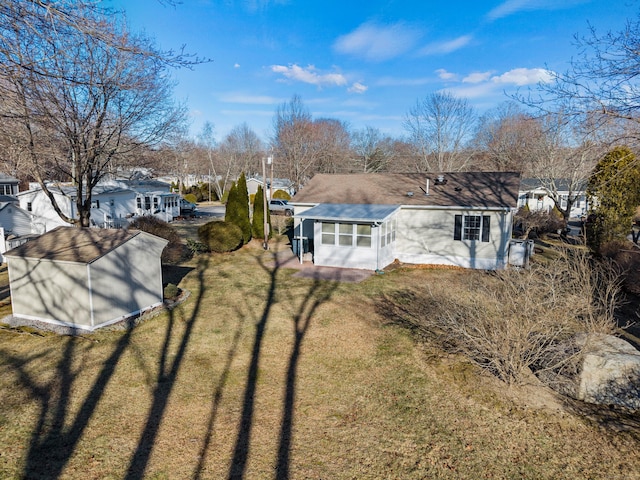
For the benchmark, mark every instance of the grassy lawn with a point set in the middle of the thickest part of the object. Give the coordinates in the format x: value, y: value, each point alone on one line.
x: 260, y: 374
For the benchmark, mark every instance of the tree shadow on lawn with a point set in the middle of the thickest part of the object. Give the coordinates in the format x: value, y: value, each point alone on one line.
x: 318, y: 293
x: 57, y: 429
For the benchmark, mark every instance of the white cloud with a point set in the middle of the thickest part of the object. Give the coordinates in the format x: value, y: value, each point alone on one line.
x: 236, y: 65
x: 378, y: 42
x: 357, y: 87
x: 483, y: 85
x: 511, y: 7
x: 439, y: 48
x: 523, y: 76
x: 477, y: 77
x: 309, y: 75
x: 444, y: 75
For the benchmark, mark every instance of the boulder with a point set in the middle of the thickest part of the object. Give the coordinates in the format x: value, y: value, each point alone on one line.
x: 610, y: 371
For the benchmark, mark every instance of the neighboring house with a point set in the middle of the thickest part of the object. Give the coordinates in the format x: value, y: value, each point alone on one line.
x: 537, y: 198
x: 369, y: 220
x: 16, y: 225
x: 86, y: 277
x: 113, y: 203
x: 278, y: 184
x: 8, y: 185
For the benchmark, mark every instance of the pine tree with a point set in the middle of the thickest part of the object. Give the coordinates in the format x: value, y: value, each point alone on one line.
x: 614, y: 195
x: 258, y: 215
x: 237, y: 210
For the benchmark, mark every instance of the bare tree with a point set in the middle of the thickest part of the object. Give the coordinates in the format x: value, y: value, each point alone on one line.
x: 504, y: 137
x: 562, y: 158
x: 602, y: 80
x: 331, y: 142
x: 293, y: 141
x: 373, y: 151
x: 242, y: 150
x: 83, y: 91
x: 440, y: 127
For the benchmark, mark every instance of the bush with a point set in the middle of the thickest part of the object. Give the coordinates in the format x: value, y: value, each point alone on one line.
x: 281, y: 195
x: 220, y: 237
x: 196, y: 248
x: 514, y: 322
x: 171, y: 291
x: 191, y: 198
x: 537, y: 223
x: 175, y: 251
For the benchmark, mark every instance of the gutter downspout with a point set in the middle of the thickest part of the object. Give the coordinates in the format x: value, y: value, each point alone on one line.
x: 378, y: 271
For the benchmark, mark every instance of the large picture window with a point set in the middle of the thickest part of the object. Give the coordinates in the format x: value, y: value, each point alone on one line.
x: 472, y: 227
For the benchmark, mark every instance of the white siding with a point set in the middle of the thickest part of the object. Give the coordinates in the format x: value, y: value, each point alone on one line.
x: 127, y: 280
x: 426, y: 237
x: 49, y: 291
x: 347, y: 256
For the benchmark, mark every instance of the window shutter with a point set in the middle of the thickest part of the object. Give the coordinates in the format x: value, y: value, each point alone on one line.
x: 485, y: 227
x: 457, y: 229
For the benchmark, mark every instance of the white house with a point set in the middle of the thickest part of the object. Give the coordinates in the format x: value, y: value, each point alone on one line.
x: 537, y: 198
x: 278, y: 184
x: 369, y: 220
x: 16, y: 225
x: 113, y: 203
x: 86, y: 277
x: 8, y: 185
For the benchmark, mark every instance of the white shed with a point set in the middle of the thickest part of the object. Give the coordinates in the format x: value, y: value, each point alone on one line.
x: 86, y: 277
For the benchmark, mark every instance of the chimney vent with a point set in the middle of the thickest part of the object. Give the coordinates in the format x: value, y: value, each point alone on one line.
x: 440, y: 180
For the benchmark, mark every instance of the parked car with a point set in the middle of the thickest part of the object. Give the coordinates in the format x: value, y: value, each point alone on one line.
x: 187, y: 208
x: 280, y: 207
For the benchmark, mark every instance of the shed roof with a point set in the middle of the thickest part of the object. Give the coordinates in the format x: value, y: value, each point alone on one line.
x: 355, y: 213
x: 459, y: 189
x: 69, y: 244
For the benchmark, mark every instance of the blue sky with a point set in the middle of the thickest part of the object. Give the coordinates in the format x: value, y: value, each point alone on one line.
x: 363, y: 62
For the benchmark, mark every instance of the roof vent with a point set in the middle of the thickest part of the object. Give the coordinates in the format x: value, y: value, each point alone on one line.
x: 440, y: 180
x: 409, y: 194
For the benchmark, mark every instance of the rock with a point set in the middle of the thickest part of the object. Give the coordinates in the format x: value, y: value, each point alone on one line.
x: 610, y: 372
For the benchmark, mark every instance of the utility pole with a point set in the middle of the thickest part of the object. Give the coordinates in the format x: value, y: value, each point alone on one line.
x: 268, y: 160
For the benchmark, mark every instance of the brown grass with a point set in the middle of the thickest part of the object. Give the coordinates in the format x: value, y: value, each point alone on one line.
x: 264, y: 375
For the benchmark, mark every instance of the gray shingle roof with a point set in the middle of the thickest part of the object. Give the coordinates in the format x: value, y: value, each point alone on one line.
x: 460, y: 189
x: 81, y: 245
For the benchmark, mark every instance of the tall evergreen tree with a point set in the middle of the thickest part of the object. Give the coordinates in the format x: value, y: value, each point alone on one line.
x: 257, y: 223
x: 614, y: 195
x: 237, y: 210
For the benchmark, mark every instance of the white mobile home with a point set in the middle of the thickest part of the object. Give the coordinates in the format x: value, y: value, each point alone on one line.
x: 369, y: 220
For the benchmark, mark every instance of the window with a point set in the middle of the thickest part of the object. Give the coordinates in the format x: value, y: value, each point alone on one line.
x: 472, y: 227
x: 29, y: 207
x: 139, y: 203
x: 363, y: 235
x: 328, y: 233
x: 388, y: 232
x: 346, y: 234
x: 95, y: 204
